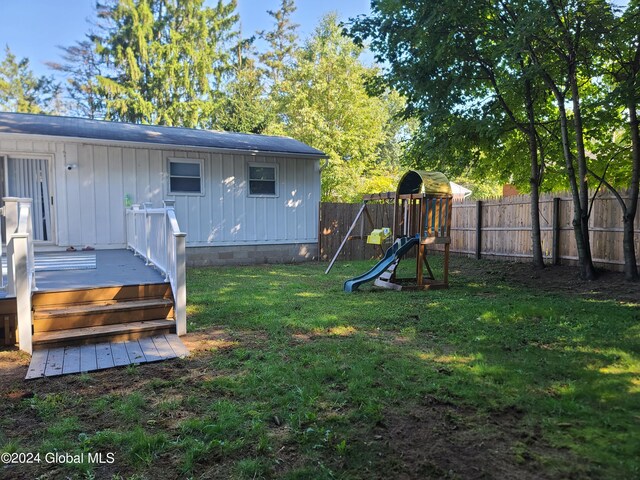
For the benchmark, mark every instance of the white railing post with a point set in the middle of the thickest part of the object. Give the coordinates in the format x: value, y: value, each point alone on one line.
x: 147, y: 231
x: 23, y: 291
x: 134, y: 222
x: 168, y: 204
x: 181, y: 283
x: 10, y: 226
x: 20, y: 264
x: 31, y: 261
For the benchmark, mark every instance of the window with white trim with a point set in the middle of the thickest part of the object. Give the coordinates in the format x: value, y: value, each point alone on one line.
x: 263, y: 180
x: 185, y: 176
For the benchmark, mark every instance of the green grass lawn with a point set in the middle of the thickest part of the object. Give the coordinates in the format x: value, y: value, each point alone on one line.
x: 296, y: 379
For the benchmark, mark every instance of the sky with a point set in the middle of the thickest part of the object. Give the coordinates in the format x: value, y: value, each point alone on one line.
x: 34, y: 28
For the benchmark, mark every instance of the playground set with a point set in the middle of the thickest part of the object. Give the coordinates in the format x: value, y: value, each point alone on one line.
x: 422, y: 218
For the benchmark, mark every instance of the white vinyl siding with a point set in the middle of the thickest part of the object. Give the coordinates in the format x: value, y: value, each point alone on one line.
x: 89, y: 200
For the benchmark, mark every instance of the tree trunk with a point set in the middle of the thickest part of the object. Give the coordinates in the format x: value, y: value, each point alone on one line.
x: 536, y: 242
x: 628, y: 246
x: 628, y: 242
x: 587, y: 270
x: 571, y: 174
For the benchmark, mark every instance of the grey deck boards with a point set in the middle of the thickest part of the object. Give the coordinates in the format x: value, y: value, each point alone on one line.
x: 38, y: 364
x: 149, y: 349
x: 104, y: 357
x: 86, y: 358
x: 55, y: 361
x: 119, y: 353
x: 112, y: 268
x: 71, y: 360
x: 163, y: 347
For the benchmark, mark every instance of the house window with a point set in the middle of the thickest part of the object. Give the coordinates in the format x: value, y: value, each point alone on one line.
x: 263, y: 180
x: 185, y: 176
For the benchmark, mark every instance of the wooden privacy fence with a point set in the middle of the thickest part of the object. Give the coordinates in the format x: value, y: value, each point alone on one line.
x: 497, y: 228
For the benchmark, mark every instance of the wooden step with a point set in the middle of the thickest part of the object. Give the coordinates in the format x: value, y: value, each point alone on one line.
x: 53, y: 298
x: 8, y: 306
x: 103, y: 313
x: 103, y: 333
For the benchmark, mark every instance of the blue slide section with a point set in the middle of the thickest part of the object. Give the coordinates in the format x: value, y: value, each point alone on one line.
x: 397, y: 250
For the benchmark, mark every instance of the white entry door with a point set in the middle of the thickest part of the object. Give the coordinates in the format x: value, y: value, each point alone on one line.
x: 29, y: 178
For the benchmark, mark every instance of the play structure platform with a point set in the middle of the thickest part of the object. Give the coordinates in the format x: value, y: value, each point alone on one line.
x: 422, y: 218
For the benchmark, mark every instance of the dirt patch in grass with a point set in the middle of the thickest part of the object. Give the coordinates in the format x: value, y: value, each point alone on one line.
x: 446, y: 441
x: 557, y: 279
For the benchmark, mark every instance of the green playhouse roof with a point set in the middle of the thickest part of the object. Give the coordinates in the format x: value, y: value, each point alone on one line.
x: 419, y: 181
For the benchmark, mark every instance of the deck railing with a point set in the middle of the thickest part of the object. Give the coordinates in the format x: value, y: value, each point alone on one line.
x: 21, y: 279
x: 154, y: 234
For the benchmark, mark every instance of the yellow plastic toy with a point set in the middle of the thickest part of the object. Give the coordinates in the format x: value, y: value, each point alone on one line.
x: 378, y: 236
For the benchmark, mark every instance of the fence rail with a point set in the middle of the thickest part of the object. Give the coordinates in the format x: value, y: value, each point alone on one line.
x: 499, y: 228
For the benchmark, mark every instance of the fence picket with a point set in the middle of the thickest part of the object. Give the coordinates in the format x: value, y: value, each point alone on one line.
x: 505, y: 229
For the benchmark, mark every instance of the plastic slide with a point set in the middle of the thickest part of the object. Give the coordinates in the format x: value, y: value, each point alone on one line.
x: 397, y: 250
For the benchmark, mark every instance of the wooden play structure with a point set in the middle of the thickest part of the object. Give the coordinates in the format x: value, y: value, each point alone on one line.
x: 362, y: 216
x: 422, y: 218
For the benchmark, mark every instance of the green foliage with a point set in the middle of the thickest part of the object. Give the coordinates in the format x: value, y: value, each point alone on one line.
x: 465, y: 73
x: 282, y: 40
x: 246, y: 107
x: 168, y: 60
x: 323, y: 101
x: 24, y: 92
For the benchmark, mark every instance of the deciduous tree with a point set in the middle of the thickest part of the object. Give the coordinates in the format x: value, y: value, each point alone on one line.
x: 324, y: 103
x: 81, y: 66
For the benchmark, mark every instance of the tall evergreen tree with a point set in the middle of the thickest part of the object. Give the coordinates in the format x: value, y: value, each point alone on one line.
x: 282, y: 41
x: 24, y: 92
x: 246, y: 107
x: 167, y: 60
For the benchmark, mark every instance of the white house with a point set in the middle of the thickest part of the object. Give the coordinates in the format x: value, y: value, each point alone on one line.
x: 240, y: 198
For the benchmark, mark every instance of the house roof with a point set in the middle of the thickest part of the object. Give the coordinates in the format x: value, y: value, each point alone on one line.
x: 48, y: 125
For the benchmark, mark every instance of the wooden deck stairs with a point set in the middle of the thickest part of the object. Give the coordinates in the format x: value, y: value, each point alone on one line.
x: 103, y: 314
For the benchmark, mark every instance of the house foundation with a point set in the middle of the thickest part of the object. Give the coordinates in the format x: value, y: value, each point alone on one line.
x: 251, y: 254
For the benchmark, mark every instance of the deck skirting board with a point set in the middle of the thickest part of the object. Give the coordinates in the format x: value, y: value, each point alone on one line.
x: 87, y: 358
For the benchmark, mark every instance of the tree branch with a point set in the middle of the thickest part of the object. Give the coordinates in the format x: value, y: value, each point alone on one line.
x: 610, y: 187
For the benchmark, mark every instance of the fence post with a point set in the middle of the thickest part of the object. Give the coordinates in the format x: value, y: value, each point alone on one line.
x: 555, y: 239
x: 479, y: 229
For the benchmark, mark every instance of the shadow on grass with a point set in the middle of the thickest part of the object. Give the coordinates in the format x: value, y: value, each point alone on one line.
x: 569, y: 362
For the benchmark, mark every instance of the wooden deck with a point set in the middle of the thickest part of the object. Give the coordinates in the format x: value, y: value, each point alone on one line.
x: 113, y: 268
x: 86, y: 358
x: 98, y: 268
